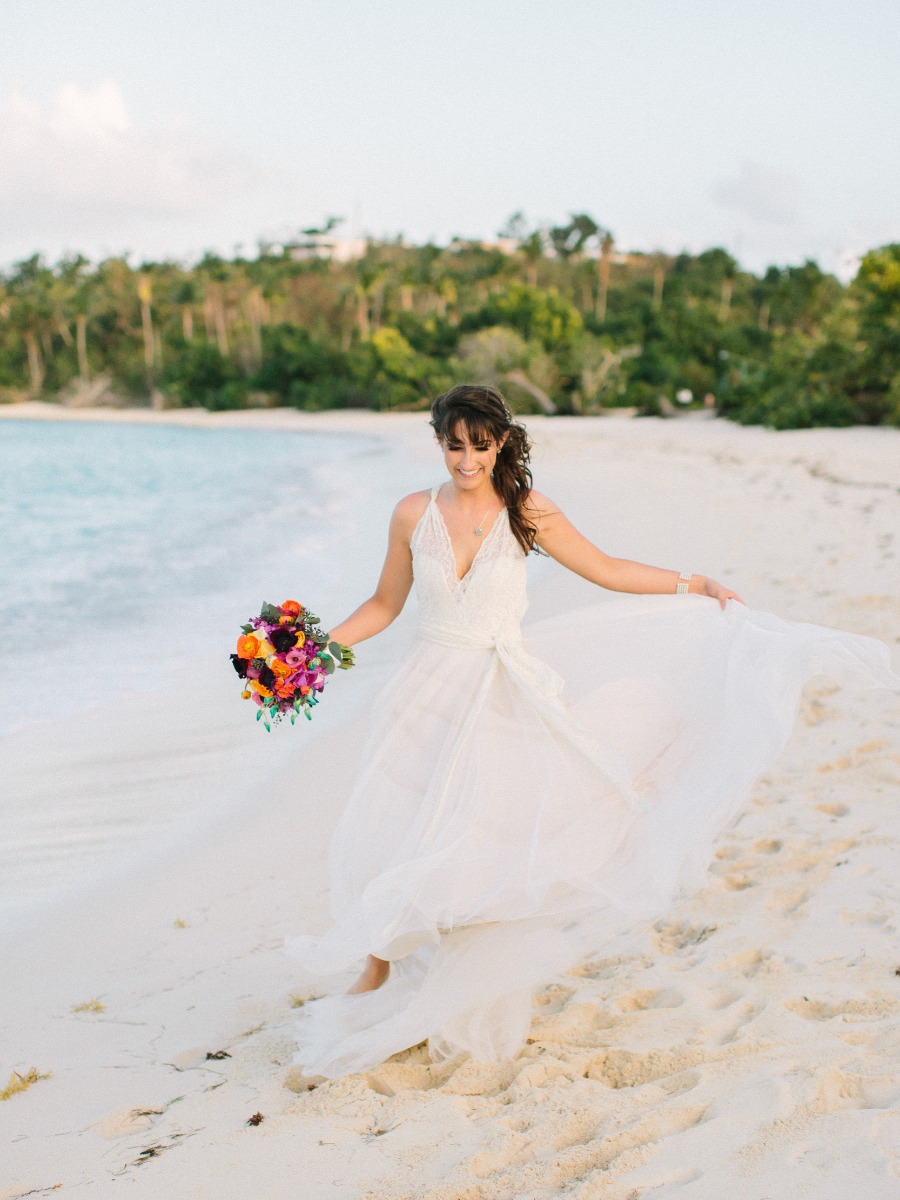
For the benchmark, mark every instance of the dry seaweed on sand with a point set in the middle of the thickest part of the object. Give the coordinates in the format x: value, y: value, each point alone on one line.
x: 21, y: 1083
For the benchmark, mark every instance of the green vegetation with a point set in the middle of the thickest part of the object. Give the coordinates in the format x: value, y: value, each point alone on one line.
x: 557, y: 317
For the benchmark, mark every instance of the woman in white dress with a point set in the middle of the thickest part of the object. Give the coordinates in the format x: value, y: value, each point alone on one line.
x: 503, y: 825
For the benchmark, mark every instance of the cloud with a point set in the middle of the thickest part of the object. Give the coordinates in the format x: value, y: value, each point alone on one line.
x: 80, y: 170
x: 760, y: 193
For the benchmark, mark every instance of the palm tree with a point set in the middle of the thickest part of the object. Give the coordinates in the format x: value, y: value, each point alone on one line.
x: 606, y: 249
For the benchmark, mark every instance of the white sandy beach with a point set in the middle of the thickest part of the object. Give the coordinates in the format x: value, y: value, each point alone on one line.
x: 748, y: 1046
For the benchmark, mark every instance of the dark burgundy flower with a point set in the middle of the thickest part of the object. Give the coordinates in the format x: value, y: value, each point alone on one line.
x: 282, y: 639
x: 240, y: 665
x: 267, y: 677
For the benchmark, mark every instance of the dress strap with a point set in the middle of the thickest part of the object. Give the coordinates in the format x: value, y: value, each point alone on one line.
x: 435, y: 490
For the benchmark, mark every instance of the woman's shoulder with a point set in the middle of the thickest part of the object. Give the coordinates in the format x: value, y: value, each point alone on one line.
x: 409, y: 510
x: 538, y: 505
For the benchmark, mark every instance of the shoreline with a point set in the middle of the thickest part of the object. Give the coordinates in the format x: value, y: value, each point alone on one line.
x: 876, y: 450
x: 750, y: 1036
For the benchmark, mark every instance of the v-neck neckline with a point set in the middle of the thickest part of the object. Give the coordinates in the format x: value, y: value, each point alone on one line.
x: 461, y: 579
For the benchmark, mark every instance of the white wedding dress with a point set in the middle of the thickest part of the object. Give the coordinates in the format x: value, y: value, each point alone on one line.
x: 506, y: 823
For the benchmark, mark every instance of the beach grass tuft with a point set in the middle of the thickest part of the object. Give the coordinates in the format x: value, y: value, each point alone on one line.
x: 21, y: 1083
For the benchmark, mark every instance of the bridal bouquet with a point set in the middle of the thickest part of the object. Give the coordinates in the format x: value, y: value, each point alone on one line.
x: 285, y: 659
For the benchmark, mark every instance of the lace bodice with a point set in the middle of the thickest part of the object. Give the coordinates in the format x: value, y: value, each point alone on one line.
x: 489, y: 601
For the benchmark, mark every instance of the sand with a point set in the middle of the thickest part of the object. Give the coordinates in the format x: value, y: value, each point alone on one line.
x: 748, y: 1045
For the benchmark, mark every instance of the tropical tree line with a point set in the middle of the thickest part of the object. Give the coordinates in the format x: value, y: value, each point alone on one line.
x: 557, y: 316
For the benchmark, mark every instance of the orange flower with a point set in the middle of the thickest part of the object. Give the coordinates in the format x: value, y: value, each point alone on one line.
x: 247, y: 646
x: 301, y: 639
x: 256, y: 686
x: 281, y: 669
x: 245, y: 695
x: 291, y: 607
x: 283, y: 690
x: 304, y: 691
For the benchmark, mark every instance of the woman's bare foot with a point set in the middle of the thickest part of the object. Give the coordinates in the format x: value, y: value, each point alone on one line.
x: 373, y: 976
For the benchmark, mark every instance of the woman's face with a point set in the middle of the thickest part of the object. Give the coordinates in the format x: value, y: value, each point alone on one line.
x: 469, y: 462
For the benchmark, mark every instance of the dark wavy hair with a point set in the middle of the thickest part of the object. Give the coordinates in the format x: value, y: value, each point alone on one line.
x: 485, y: 415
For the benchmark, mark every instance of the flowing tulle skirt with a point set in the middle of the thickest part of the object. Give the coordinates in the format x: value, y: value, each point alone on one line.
x: 499, y: 831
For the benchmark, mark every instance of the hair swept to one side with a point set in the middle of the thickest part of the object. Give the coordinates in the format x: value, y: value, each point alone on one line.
x: 485, y: 415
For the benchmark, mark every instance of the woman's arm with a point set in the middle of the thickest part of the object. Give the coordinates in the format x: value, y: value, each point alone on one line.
x: 395, y: 581
x: 562, y: 541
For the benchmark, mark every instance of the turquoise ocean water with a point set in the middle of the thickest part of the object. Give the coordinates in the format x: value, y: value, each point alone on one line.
x: 126, y: 548
x: 130, y: 556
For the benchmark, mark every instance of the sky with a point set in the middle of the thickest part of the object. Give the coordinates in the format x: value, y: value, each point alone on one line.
x: 771, y: 128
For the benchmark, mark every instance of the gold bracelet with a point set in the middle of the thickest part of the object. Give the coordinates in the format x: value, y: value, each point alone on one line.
x: 684, y: 583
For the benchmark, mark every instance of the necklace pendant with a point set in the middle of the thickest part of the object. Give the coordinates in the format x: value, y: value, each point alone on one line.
x: 479, y: 531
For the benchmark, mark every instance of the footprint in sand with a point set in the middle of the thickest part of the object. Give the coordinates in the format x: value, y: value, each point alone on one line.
x: 541, y: 1073
x: 837, y: 1090
x: 875, y: 919
x: 678, y: 1085
x: 873, y: 1009
x: 571, y: 1024
x: 675, y: 936
x: 725, y: 853
x: 722, y: 997
x: 826, y: 855
x: 296, y: 1081
x: 609, y: 968
x: 553, y: 999
x: 390, y: 1079
x: 627, y: 1068
x: 649, y: 998
x: 789, y: 901
x: 747, y: 963
x: 730, y: 1026
x: 481, y: 1079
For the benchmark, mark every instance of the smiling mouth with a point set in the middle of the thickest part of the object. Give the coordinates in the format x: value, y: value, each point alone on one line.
x: 468, y: 474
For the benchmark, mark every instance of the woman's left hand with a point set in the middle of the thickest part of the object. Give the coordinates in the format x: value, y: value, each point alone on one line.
x: 709, y: 587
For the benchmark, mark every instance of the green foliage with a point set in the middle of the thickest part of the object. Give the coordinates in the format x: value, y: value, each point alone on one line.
x: 199, y: 374
x: 536, y: 313
x: 302, y: 371
x: 876, y: 292
x: 552, y: 315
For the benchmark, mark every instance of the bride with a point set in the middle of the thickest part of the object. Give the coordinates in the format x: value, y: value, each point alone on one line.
x: 504, y: 823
